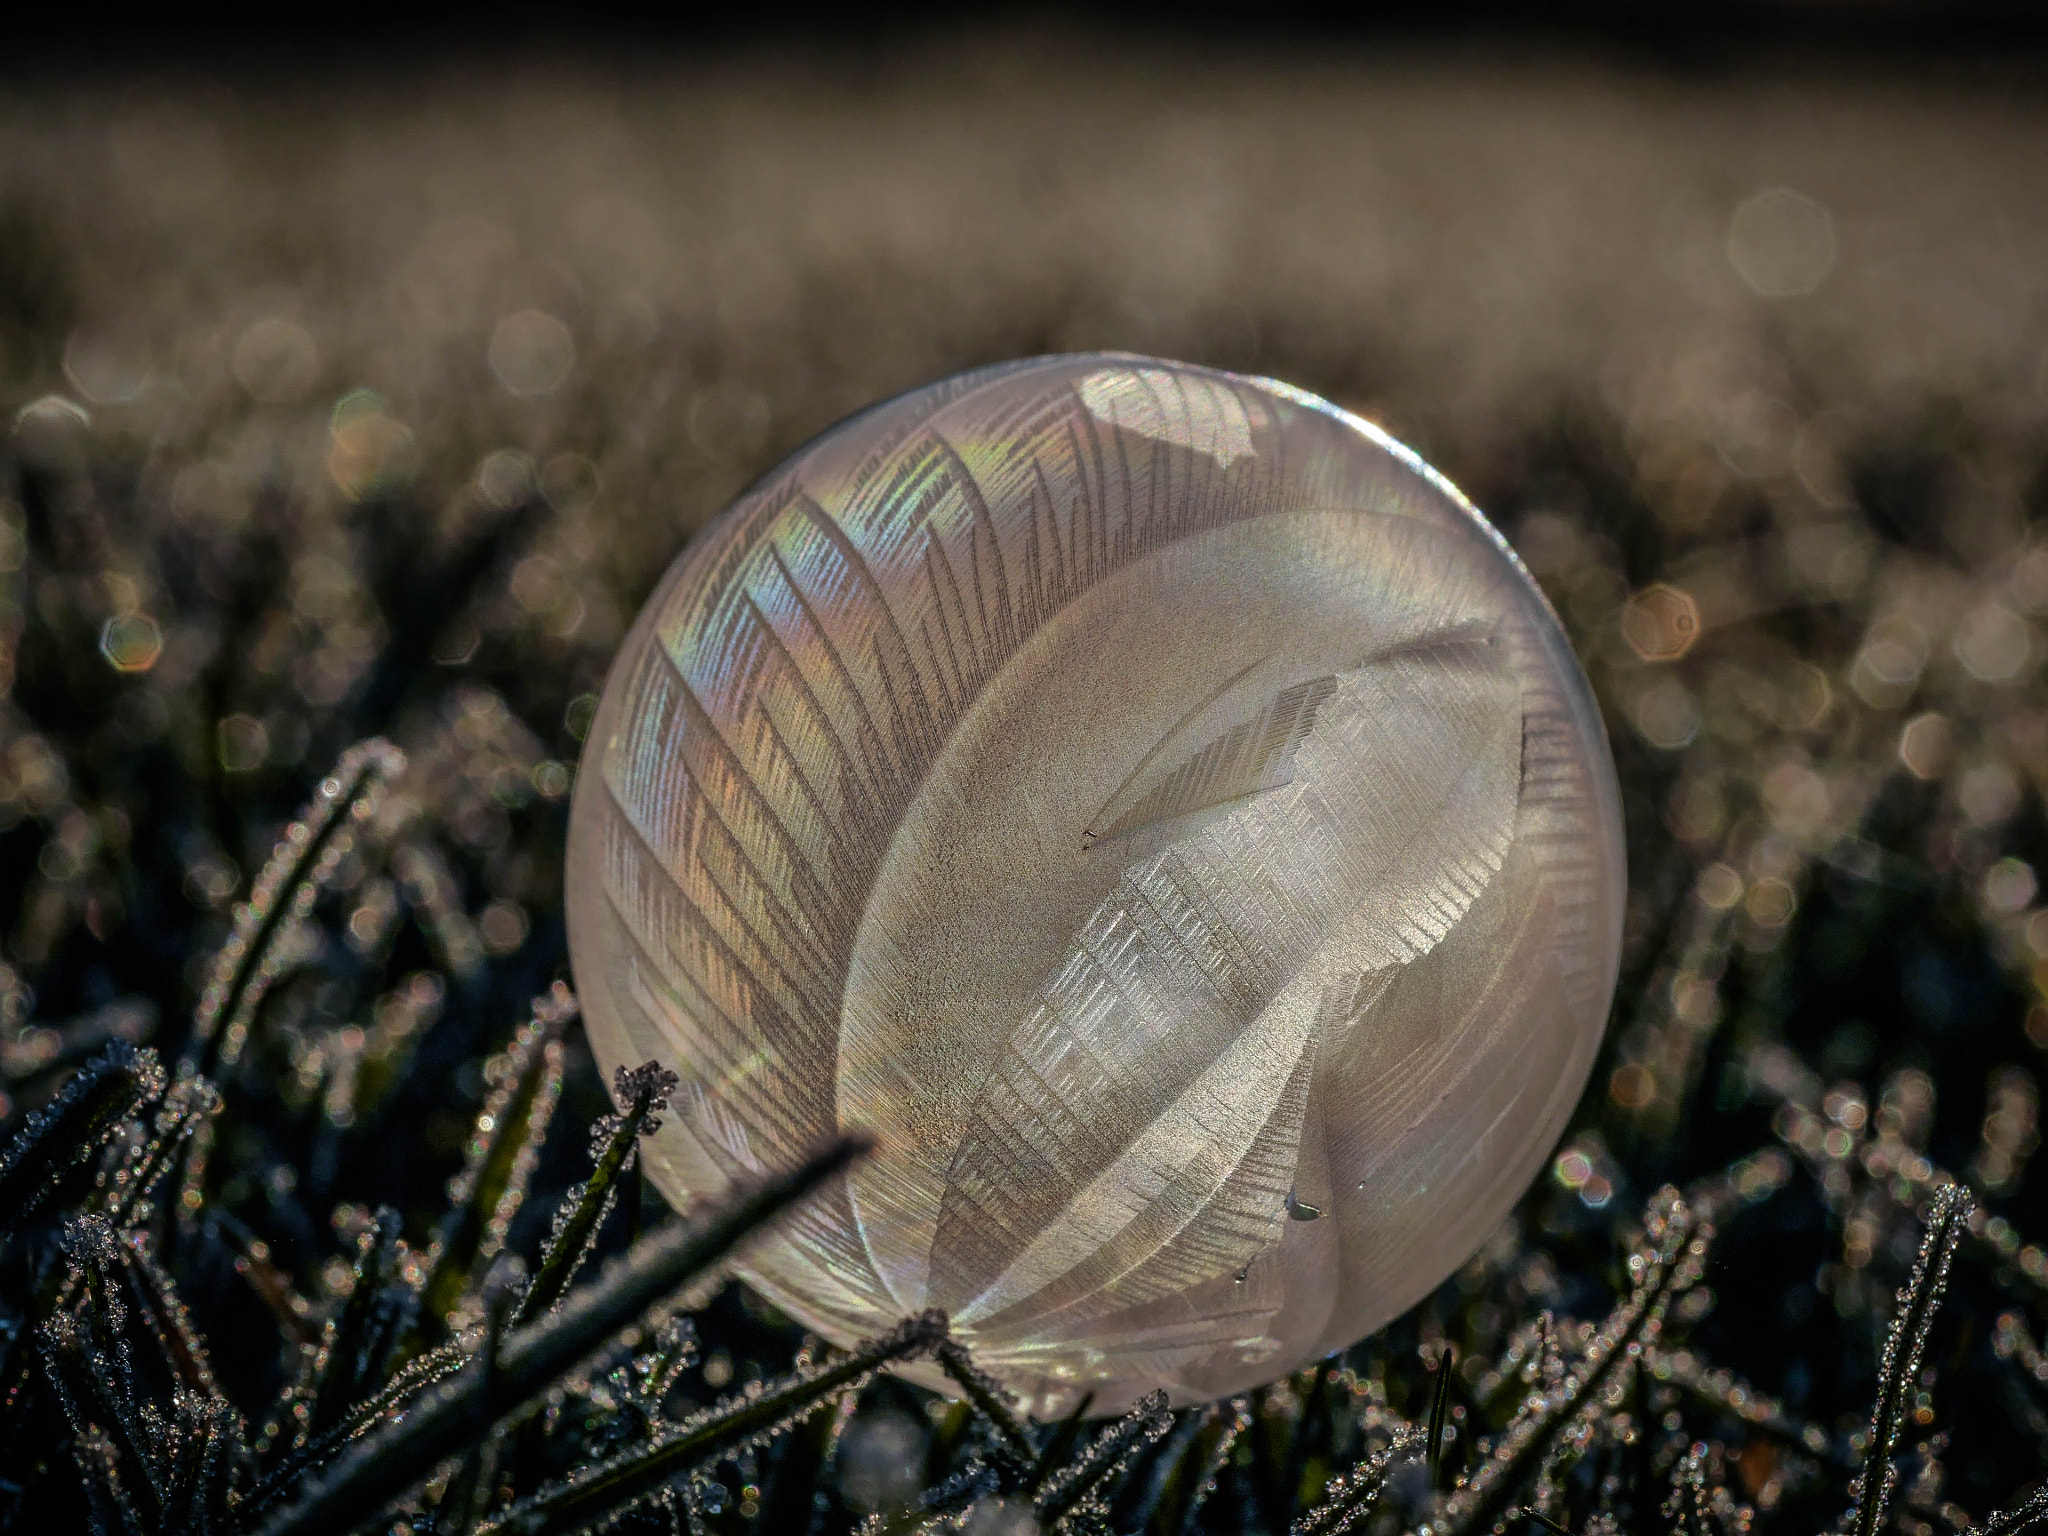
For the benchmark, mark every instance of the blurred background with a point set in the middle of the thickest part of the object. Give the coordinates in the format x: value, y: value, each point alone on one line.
x: 365, y: 379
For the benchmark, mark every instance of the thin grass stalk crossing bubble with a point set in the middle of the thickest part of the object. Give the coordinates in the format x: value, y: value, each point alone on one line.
x: 697, y: 1443
x: 391, y: 1459
x: 411, y: 1380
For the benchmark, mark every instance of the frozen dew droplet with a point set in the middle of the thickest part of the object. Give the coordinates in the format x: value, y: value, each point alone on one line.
x: 1107, y: 711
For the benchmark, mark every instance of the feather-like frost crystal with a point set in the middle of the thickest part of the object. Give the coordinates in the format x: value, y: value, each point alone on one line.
x: 1157, y: 808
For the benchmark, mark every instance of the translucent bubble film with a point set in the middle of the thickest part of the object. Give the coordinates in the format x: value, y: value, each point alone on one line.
x: 1161, y: 811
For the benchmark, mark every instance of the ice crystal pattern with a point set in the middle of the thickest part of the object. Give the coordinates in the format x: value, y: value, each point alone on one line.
x: 1160, y: 811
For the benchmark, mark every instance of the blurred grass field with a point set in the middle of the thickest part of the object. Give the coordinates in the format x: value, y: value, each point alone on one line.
x: 313, y: 370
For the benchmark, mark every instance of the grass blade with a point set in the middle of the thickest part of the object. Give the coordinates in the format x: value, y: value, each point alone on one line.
x: 353, y: 1351
x: 2023, y: 1514
x: 1668, y: 1262
x: 603, y: 1494
x: 1904, y: 1344
x: 1077, y: 1486
x: 987, y: 1398
x: 527, y: 1078
x: 614, y: 1140
x: 71, y: 1128
x: 283, y: 893
x: 412, y: 1379
x: 1353, y: 1496
x: 185, y: 1111
x: 1058, y: 1446
x: 167, y: 1319
x: 1439, y: 1416
x: 1234, y: 1418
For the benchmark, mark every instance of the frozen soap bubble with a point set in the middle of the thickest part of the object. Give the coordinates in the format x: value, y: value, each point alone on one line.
x: 1161, y: 811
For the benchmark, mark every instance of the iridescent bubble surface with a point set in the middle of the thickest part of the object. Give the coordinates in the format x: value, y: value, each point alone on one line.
x: 1158, y: 808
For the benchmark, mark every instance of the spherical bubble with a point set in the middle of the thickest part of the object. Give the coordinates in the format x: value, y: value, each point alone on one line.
x: 1159, y: 810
